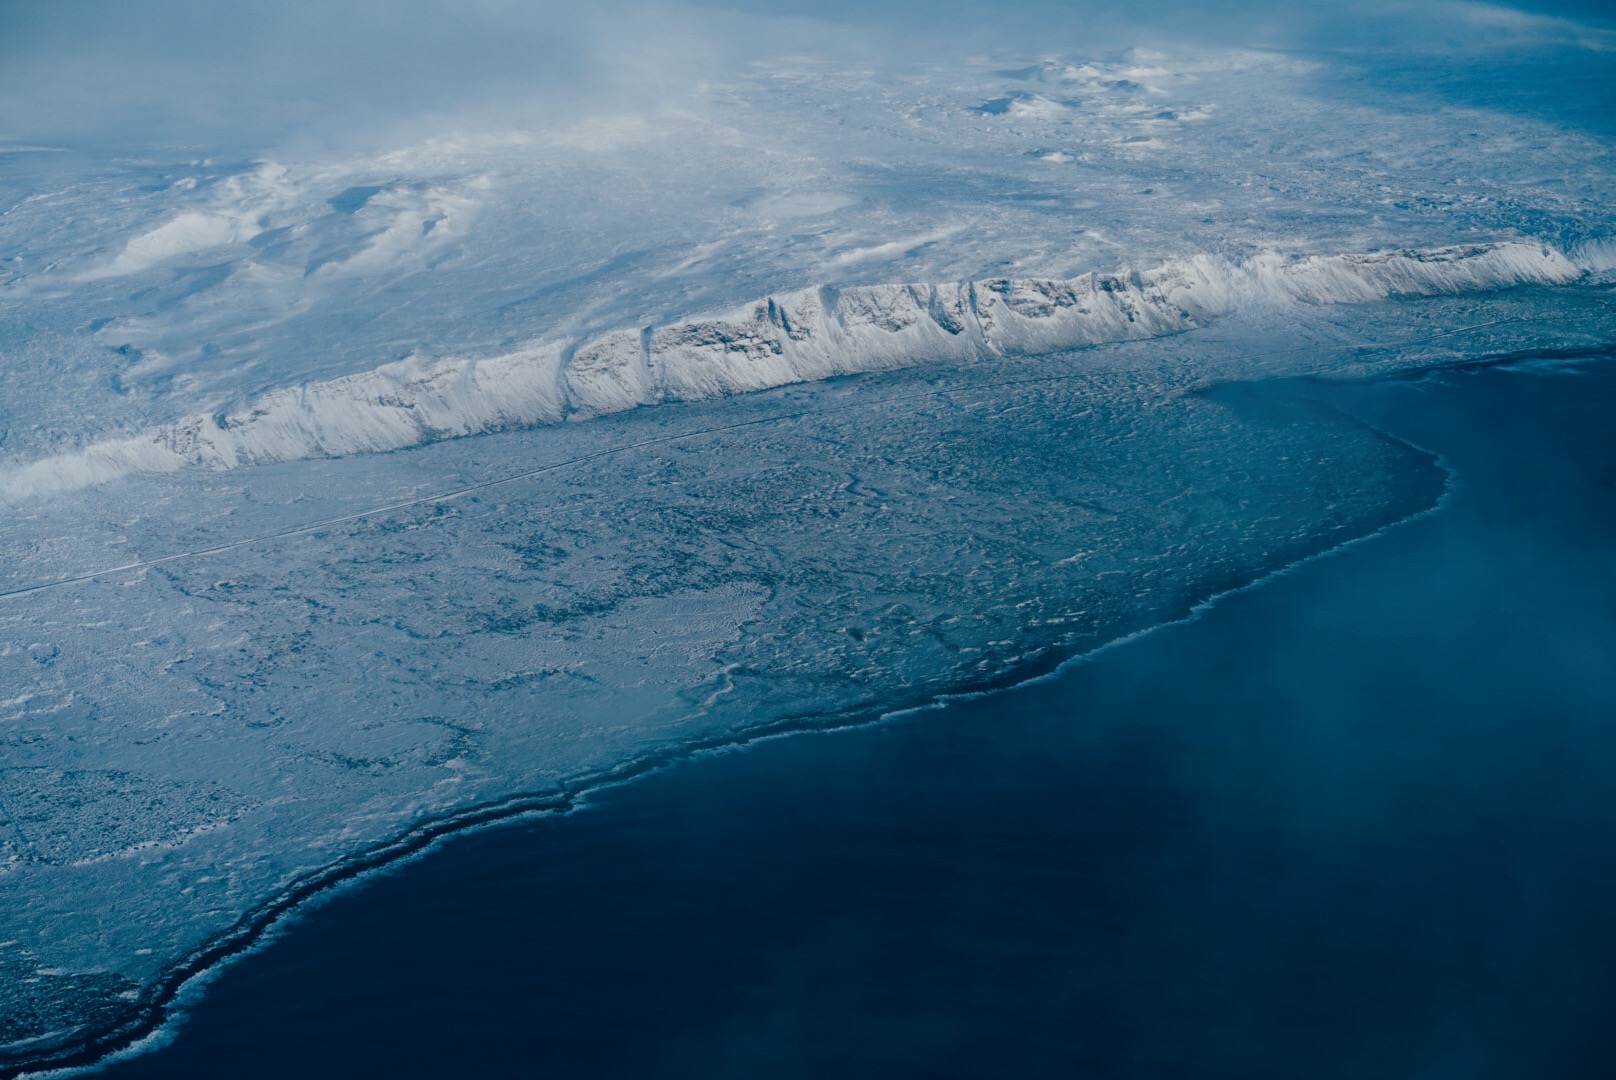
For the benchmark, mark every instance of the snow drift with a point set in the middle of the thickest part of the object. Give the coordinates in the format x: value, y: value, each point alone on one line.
x: 792, y: 337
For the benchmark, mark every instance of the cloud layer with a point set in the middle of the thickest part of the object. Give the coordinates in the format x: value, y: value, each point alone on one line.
x: 246, y: 76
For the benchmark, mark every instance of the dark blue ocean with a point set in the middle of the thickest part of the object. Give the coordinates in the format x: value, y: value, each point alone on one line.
x: 1359, y: 821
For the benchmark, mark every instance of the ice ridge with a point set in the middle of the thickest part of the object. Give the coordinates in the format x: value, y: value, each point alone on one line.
x: 786, y: 338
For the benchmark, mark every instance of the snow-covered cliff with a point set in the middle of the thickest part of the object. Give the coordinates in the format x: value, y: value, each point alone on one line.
x: 787, y: 338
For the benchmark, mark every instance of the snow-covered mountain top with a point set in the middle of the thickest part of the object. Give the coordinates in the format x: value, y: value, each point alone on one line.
x: 785, y: 338
x: 143, y: 291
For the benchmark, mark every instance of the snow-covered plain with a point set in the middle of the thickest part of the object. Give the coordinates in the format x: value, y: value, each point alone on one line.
x: 344, y: 495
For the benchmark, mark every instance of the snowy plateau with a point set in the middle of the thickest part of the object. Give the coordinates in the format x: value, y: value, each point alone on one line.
x: 349, y: 498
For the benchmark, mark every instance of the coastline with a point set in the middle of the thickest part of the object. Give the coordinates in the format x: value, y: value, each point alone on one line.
x: 155, y: 1010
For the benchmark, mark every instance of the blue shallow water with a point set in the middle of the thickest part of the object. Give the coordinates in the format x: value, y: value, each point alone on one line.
x: 1359, y: 822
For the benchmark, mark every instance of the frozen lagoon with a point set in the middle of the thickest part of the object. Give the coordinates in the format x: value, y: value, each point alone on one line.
x: 202, y: 735
x: 1354, y: 822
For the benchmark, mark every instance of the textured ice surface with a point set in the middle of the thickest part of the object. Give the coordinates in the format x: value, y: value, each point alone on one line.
x: 238, y: 646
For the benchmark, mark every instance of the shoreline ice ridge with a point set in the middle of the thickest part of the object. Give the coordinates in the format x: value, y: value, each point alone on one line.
x: 806, y: 335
